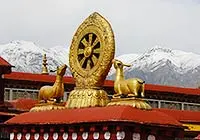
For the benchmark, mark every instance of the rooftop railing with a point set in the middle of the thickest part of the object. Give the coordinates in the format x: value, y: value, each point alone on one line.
x: 16, y: 93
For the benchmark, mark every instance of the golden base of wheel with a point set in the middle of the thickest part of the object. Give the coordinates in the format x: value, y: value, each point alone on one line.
x: 48, y: 106
x: 81, y: 98
x: 134, y: 102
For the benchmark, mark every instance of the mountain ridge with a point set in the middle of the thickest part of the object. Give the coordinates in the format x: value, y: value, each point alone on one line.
x: 165, y: 66
x: 157, y: 65
x: 26, y: 56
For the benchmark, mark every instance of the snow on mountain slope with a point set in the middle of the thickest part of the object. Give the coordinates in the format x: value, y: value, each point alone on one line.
x: 27, y: 56
x: 157, y: 65
x: 61, y: 54
x: 187, y: 60
x: 156, y: 57
x: 163, y: 66
x: 127, y: 58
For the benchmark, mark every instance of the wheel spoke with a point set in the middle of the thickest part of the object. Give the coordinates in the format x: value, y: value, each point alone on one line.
x: 82, y: 61
x: 90, y: 39
x: 89, y: 51
x: 95, y: 42
x: 94, y: 59
x: 85, y: 43
x: 88, y: 67
x: 80, y: 51
x: 96, y: 50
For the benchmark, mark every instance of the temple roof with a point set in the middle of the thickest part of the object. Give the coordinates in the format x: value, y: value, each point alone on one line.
x: 123, y: 113
x: 5, y: 67
x: 102, y: 114
x: 3, y: 62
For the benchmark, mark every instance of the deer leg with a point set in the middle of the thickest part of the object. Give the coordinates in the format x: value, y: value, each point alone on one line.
x: 51, y: 100
x: 118, y: 92
x: 116, y: 96
x: 142, y: 90
x: 42, y: 101
x: 136, y: 92
x: 131, y: 95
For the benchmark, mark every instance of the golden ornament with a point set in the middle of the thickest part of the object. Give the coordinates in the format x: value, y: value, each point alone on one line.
x: 90, y: 59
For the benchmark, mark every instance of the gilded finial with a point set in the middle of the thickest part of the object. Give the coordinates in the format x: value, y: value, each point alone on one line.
x: 44, y: 65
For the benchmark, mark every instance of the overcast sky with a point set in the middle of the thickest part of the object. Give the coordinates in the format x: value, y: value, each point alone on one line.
x: 138, y: 24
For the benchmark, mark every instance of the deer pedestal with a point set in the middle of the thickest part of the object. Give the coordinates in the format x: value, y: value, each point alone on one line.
x: 134, y: 102
x: 48, y: 106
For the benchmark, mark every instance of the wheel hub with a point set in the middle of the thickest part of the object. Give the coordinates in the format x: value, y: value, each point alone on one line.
x: 87, y: 52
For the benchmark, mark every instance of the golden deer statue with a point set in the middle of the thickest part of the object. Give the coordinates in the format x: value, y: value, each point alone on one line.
x: 55, y: 92
x: 133, y: 87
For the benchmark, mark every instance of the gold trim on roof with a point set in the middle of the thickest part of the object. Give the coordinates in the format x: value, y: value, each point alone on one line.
x: 192, y: 127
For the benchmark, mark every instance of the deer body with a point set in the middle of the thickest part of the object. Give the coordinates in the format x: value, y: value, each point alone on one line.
x: 128, y: 87
x: 49, y: 93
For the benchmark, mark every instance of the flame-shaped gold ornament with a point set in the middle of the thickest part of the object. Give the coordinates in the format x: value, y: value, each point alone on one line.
x: 90, y: 59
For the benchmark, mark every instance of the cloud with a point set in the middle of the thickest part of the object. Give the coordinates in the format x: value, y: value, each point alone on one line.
x: 137, y: 24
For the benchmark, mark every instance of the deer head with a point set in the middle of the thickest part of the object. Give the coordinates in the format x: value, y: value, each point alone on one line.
x: 119, y: 64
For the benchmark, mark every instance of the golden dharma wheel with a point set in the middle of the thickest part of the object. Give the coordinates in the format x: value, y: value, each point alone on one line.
x: 90, y: 59
x: 91, y: 52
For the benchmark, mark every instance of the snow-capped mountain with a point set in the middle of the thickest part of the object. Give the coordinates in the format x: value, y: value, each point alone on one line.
x: 163, y: 66
x: 27, y: 56
x: 157, y: 65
